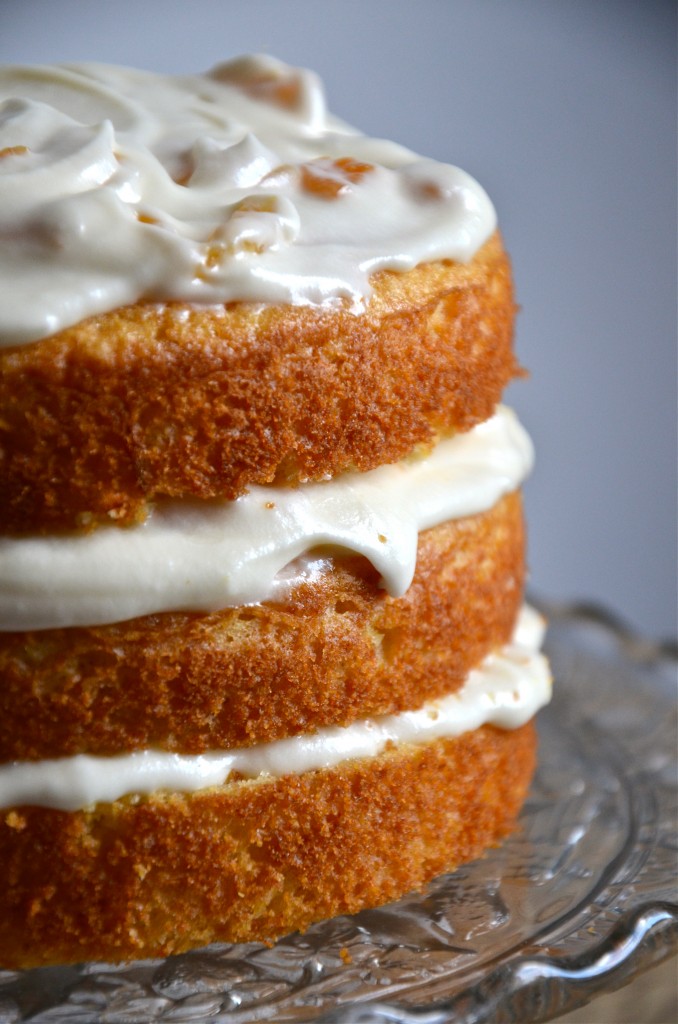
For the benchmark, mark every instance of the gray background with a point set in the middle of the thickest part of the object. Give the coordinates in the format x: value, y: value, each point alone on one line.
x: 566, y: 111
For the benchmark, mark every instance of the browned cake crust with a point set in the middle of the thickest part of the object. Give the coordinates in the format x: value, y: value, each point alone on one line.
x: 149, y: 877
x: 340, y: 649
x: 151, y: 401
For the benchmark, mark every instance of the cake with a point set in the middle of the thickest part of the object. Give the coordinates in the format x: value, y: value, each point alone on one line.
x: 264, y: 652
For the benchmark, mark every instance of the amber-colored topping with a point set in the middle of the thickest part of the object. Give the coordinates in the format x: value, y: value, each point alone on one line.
x: 252, y: 861
x: 267, y: 86
x: 146, y: 218
x: 13, y: 151
x: 329, y: 178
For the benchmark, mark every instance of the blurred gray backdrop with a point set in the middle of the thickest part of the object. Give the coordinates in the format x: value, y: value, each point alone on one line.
x: 566, y: 111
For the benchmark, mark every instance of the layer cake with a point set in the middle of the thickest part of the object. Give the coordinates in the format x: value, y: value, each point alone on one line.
x: 264, y: 655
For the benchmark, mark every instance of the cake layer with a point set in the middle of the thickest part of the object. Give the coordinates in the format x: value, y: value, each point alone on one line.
x: 252, y: 860
x: 506, y: 690
x: 338, y: 648
x: 149, y: 401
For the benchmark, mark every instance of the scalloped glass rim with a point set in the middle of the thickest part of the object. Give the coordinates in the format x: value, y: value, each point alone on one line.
x: 577, y: 902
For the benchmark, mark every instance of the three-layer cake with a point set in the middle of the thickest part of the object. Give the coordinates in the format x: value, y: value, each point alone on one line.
x: 264, y: 655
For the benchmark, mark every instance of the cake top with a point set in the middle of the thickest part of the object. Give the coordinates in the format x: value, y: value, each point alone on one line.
x: 119, y: 185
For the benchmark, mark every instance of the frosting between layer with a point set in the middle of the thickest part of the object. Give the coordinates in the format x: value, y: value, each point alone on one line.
x: 506, y: 691
x: 205, y: 556
x: 119, y: 185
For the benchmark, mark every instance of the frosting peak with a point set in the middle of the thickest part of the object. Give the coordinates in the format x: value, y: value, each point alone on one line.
x: 238, y: 185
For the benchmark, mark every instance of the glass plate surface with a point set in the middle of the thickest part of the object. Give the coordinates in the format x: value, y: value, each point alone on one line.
x: 579, y: 900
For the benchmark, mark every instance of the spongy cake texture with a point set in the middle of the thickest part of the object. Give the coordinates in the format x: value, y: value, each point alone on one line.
x: 338, y: 650
x: 157, y: 401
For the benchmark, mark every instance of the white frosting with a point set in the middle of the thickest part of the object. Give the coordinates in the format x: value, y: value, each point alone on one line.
x: 505, y: 691
x: 118, y: 185
x: 205, y: 556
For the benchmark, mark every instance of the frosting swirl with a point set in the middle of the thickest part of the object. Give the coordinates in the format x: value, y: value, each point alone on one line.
x: 119, y: 185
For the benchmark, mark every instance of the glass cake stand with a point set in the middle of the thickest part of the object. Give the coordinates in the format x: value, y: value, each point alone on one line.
x: 577, y: 902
